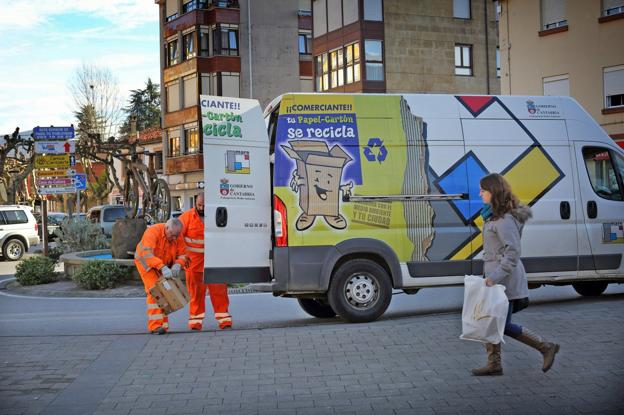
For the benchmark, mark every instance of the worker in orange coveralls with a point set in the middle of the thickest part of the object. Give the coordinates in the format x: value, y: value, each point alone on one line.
x: 193, y: 232
x: 161, y: 252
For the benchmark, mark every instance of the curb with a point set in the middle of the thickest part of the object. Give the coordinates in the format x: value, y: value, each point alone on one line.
x: 125, y: 291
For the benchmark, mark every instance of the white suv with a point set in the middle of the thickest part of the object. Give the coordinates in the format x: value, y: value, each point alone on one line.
x: 18, y: 231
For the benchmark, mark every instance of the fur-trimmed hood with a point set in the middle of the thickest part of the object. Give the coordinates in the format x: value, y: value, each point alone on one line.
x: 522, y: 213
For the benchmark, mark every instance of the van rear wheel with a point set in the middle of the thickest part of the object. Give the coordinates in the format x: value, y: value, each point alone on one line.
x: 316, y: 307
x: 360, y: 291
x: 590, y: 289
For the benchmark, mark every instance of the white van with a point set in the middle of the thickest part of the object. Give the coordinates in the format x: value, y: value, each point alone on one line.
x: 349, y: 196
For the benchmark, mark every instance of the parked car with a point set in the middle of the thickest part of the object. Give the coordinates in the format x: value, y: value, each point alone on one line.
x: 18, y: 231
x: 54, y: 222
x: 105, y: 216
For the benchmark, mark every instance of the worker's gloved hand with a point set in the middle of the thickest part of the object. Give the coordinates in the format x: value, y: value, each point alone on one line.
x: 166, y: 272
x: 175, y: 269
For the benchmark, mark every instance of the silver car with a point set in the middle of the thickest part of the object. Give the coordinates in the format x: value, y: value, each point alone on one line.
x: 105, y: 216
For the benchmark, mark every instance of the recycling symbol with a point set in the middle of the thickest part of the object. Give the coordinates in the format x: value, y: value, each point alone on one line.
x: 375, y: 150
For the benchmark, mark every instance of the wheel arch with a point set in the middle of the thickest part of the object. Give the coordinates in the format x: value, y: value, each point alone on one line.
x: 366, y: 248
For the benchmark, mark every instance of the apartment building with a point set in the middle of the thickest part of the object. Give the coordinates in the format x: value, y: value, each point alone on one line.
x: 567, y: 47
x: 426, y: 46
x: 237, y: 48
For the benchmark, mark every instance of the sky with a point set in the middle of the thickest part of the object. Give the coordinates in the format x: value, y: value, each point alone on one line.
x: 45, y: 41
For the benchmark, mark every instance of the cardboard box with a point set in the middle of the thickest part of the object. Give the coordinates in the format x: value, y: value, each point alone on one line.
x: 320, y: 170
x: 170, y: 294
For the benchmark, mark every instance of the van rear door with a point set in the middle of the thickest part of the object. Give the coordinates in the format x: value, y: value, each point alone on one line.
x: 237, y: 191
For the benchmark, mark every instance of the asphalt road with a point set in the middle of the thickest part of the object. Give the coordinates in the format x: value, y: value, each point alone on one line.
x: 36, y: 316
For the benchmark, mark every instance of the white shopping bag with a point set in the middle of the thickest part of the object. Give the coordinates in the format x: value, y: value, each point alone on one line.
x: 484, y: 312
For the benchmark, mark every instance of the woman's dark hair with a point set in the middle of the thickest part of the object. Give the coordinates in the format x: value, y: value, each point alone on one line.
x: 503, y: 199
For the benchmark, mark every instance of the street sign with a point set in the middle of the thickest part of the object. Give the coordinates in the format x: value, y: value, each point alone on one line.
x: 65, y: 181
x: 47, y: 133
x: 55, y: 173
x: 56, y: 190
x: 55, y: 147
x: 80, y: 181
x: 55, y: 161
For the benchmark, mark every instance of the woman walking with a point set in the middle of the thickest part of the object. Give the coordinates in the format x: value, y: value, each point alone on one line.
x: 504, y: 218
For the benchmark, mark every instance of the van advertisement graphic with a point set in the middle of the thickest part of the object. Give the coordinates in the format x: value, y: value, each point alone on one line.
x: 380, y: 148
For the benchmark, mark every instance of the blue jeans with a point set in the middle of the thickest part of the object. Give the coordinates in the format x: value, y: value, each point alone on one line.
x: 512, y: 329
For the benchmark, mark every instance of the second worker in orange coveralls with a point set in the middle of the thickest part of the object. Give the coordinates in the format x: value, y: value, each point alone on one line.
x: 193, y: 233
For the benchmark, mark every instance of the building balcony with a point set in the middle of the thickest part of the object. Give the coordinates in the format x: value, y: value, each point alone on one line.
x: 212, y: 15
x: 185, y: 164
x: 182, y: 116
x: 203, y: 64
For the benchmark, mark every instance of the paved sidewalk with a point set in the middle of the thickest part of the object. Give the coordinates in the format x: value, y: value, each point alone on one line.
x: 414, y: 365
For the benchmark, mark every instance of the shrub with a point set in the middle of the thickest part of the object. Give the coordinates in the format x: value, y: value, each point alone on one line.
x: 36, y: 270
x: 98, y: 275
x: 80, y: 235
x: 55, y: 253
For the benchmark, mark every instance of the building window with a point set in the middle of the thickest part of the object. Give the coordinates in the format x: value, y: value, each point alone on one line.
x: 498, y: 61
x: 173, y: 96
x: 229, y: 84
x: 352, y: 53
x: 373, y: 10
x: 173, y: 55
x: 158, y: 161
x: 225, y: 40
x: 190, y: 91
x: 611, y: 7
x: 334, y: 15
x: 190, y: 5
x: 461, y: 9
x: 174, y: 146
x: 171, y: 10
x: 614, y: 86
x: 319, y: 21
x: 208, y: 84
x: 191, y: 141
x: 373, y: 50
x: 557, y: 85
x: 463, y: 60
x: 305, y: 43
x: 322, y: 72
x: 553, y: 14
x: 350, y: 11
x: 188, y: 40
x: 336, y: 60
x: 204, y: 42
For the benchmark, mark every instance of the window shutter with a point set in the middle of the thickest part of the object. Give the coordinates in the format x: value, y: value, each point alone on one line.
x: 557, y: 86
x: 614, y: 81
x: 319, y: 18
x: 171, y: 7
x: 553, y: 11
x: 190, y: 91
x: 351, y: 11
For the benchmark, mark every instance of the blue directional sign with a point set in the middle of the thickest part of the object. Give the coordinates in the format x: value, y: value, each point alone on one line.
x: 51, y: 133
x: 80, y: 181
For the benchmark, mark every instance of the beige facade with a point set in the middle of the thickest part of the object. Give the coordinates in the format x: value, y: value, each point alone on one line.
x: 565, y: 46
x: 425, y: 46
x: 420, y: 39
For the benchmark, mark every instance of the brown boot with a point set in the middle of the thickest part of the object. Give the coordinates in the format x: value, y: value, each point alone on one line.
x: 493, y: 366
x: 534, y: 340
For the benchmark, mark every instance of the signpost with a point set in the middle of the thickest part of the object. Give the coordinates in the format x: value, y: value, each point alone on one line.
x: 54, y: 155
x: 80, y: 183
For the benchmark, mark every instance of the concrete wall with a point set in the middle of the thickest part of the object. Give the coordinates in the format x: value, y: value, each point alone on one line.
x: 581, y: 52
x: 274, y: 48
x: 420, y: 47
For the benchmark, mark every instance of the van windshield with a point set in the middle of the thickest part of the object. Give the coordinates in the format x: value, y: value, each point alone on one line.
x: 112, y: 214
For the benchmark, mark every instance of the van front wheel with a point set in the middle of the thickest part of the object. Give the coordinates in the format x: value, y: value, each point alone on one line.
x: 360, y: 291
x: 316, y: 307
x: 590, y: 289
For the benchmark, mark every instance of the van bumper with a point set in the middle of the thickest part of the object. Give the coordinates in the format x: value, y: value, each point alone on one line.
x: 299, y: 270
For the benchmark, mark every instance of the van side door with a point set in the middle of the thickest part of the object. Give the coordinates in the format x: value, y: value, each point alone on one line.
x: 601, y: 189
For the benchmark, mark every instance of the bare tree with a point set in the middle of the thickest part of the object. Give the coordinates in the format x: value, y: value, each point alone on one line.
x: 97, y: 88
x: 16, y: 163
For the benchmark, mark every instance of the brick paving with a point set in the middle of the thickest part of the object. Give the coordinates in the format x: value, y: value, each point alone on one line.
x: 413, y: 365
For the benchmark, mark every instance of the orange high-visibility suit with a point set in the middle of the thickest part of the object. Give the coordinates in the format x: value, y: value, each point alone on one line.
x: 193, y: 232
x: 153, y: 253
